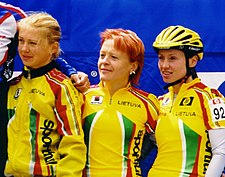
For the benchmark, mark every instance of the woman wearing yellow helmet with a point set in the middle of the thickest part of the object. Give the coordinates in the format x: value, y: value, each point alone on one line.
x: 192, y: 113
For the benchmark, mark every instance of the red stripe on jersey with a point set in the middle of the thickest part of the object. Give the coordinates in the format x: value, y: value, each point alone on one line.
x: 37, y: 166
x: 55, y: 78
x: 204, y: 112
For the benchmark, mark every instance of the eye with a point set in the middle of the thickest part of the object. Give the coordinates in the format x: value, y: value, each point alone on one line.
x: 21, y: 41
x: 161, y: 58
x: 102, y: 55
x: 173, y: 58
x: 114, y: 57
x: 33, y: 43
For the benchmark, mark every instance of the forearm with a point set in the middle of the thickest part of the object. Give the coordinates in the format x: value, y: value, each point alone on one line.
x: 217, y: 163
x: 63, y: 66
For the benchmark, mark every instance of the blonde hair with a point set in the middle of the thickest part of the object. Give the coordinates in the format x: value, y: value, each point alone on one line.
x: 45, y: 22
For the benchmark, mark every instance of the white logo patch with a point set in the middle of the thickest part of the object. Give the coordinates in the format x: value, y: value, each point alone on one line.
x: 217, y: 106
x: 96, y: 100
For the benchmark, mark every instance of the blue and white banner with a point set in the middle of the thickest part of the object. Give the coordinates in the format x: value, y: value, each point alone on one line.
x: 82, y: 21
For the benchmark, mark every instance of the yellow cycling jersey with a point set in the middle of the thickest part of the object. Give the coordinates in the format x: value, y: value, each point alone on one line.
x: 114, y: 127
x: 184, y: 148
x: 45, y: 136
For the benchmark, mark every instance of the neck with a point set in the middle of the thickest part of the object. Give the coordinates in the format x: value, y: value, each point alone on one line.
x: 177, y: 87
x: 113, y: 87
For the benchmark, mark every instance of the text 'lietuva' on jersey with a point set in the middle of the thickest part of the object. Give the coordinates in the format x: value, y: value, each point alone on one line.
x: 44, y: 132
x: 114, y: 128
x: 182, y: 136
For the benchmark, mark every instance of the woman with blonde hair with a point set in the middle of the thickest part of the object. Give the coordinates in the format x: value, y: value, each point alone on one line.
x: 45, y: 136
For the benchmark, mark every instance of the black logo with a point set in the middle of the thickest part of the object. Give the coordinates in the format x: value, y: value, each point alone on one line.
x: 187, y: 101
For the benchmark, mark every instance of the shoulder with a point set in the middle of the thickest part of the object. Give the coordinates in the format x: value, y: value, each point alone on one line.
x: 93, y: 88
x: 207, y: 91
x: 145, y: 96
x: 15, y: 80
x: 17, y: 12
x: 57, y: 75
x: 142, y: 92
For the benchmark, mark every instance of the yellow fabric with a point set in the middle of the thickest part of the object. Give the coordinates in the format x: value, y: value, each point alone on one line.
x: 182, y: 130
x: 45, y: 123
x: 114, y: 128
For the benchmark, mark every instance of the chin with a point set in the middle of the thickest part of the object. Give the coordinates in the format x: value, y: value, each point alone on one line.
x: 167, y: 81
x: 103, y: 78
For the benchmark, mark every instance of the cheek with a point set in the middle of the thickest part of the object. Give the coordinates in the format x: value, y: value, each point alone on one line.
x: 99, y: 63
x: 159, y: 64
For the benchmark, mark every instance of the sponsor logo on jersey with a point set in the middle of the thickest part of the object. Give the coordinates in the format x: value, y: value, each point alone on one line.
x: 208, y: 154
x: 96, y: 100
x: 136, y: 152
x: 17, y: 94
x: 47, y: 141
x: 216, y: 101
x: 186, y: 101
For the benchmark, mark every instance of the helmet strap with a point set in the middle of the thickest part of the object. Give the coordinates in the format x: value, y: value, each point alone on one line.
x: 182, y: 80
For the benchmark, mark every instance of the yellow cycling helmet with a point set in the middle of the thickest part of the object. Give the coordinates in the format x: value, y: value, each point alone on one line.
x: 179, y: 37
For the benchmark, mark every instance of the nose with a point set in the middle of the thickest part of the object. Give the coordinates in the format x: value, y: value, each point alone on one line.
x: 164, y: 63
x: 105, y: 59
x: 24, y: 47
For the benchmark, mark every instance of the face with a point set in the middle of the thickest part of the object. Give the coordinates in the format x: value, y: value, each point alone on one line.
x: 172, y: 65
x: 34, y: 49
x: 114, y: 65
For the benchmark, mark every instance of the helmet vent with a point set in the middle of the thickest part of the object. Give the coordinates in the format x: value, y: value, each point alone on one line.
x: 185, y: 38
x: 195, y: 43
x: 178, y: 34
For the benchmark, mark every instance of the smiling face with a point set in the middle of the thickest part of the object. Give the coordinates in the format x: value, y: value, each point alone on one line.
x: 34, y: 49
x: 172, y: 65
x: 114, y: 65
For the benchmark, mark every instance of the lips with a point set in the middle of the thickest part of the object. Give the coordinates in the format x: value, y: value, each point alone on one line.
x: 26, y: 58
x: 166, y: 74
x: 104, y: 70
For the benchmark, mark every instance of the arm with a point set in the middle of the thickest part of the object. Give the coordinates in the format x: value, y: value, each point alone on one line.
x: 7, y: 32
x: 217, y: 163
x: 63, y: 66
x: 80, y: 80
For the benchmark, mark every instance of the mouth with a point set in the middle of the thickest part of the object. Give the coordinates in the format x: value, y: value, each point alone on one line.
x: 26, y: 58
x: 166, y: 75
x: 104, y: 70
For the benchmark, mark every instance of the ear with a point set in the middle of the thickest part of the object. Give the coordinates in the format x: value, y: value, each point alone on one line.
x: 193, y: 61
x: 55, y: 47
x: 134, y: 66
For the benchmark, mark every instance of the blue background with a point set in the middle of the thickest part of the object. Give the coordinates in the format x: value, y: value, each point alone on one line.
x: 82, y: 21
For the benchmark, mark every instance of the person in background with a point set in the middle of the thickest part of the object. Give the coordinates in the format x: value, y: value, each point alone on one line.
x: 116, y: 113
x: 190, y: 131
x: 45, y: 136
x: 9, y: 15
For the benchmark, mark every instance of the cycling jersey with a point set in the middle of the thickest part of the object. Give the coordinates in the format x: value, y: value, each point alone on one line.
x: 44, y: 131
x: 182, y: 130
x: 114, y: 127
